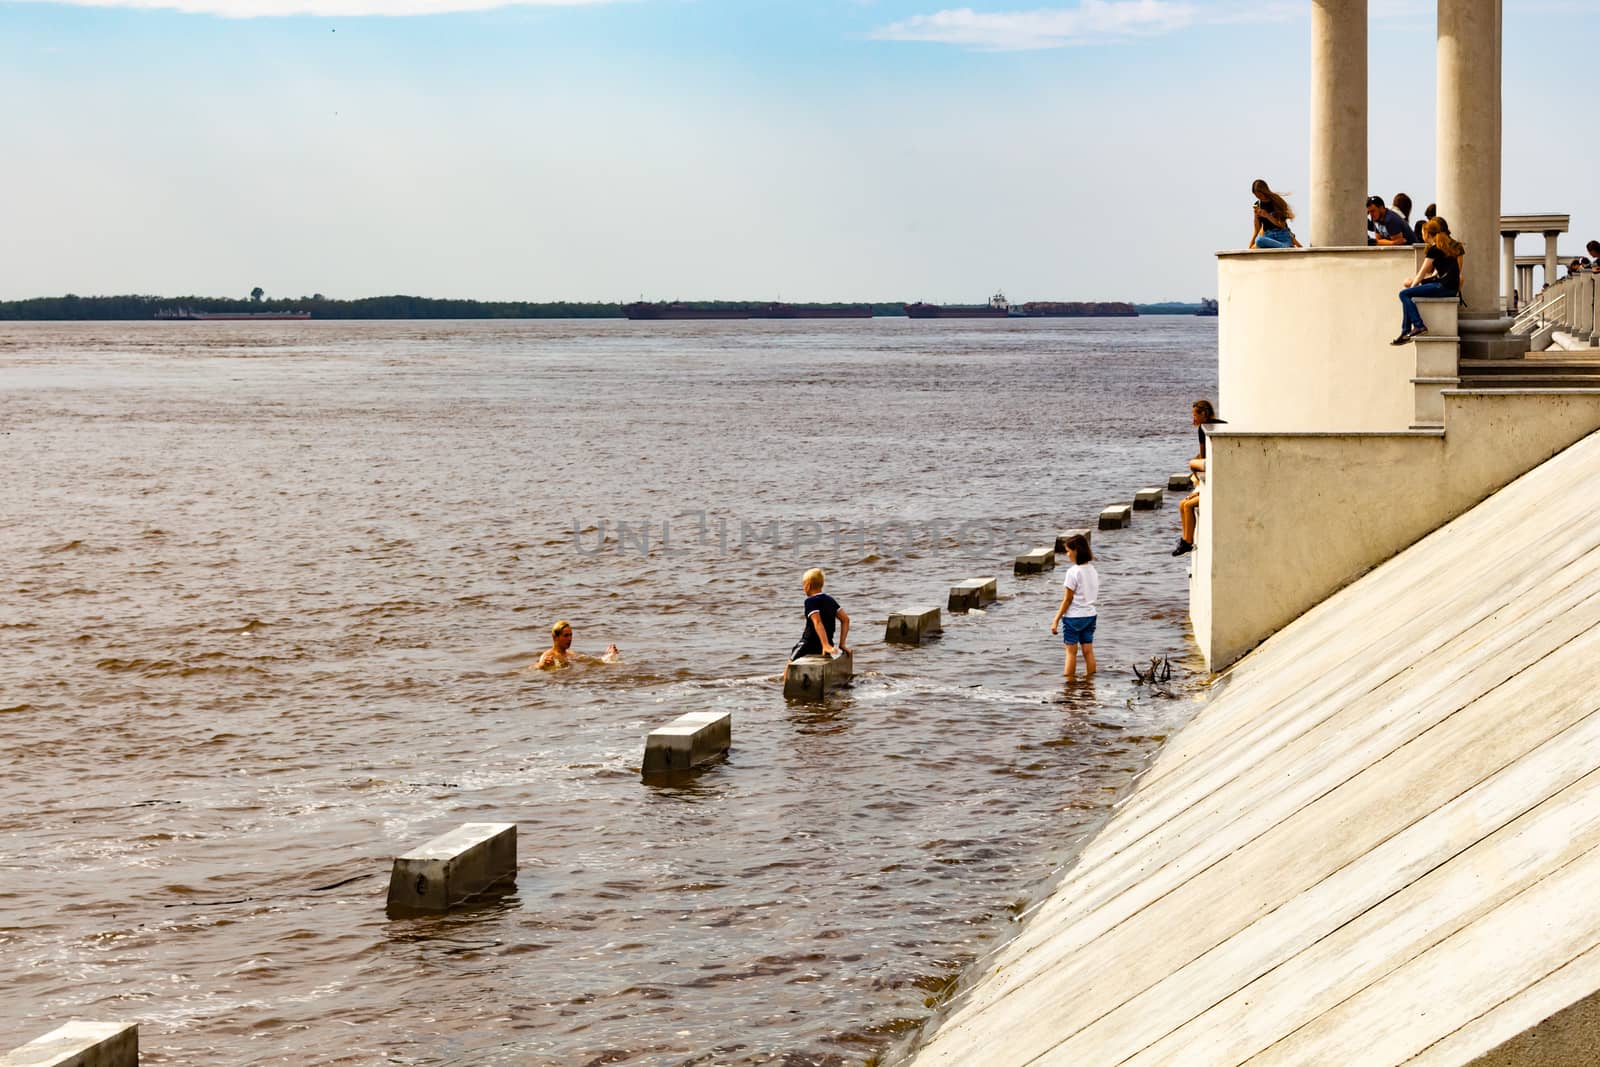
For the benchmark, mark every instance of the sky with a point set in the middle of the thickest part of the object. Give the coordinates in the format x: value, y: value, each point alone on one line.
x: 702, y: 149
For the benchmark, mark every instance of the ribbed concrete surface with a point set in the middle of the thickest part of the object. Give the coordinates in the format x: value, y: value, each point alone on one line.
x: 1377, y: 845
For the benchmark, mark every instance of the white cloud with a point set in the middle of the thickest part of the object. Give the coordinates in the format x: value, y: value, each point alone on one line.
x: 245, y: 9
x: 1091, y: 21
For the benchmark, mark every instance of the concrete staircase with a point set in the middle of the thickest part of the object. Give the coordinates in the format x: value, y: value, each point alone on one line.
x: 1546, y: 370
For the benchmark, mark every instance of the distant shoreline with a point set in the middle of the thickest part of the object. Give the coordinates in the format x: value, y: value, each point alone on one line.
x: 73, y: 308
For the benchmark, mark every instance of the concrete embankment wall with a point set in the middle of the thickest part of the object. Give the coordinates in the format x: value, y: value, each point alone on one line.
x: 1379, y: 844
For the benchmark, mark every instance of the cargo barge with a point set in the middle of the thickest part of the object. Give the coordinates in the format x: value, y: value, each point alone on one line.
x: 998, y: 307
x: 232, y: 316
x: 678, y: 310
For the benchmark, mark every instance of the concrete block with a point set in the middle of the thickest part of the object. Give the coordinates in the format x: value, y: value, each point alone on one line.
x: 688, y: 741
x: 80, y: 1044
x: 1116, y: 517
x: 1036, y: 561
x: 972, y: 593
x: 1148, y: 499
x: 1437, y: 355
x: 1061, y: 539
x: 1180, y: 483
x: 1439, y: 313
x: 454, y: 867
x: 910, y: 627
x: 1430, y: 400
x: 814, y: 677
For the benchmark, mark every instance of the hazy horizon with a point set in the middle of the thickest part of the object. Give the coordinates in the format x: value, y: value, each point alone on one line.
x: 660, y: 150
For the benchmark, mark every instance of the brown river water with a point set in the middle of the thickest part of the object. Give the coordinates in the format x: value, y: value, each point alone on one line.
x: 268, y: 592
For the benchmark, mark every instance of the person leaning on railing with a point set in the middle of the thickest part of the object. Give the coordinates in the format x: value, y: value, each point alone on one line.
x: 1440, y: 276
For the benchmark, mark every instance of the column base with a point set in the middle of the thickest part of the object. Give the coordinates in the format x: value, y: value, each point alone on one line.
x: 1490, y: 338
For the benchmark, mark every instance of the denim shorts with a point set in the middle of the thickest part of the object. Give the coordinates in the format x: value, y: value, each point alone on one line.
x: 1079, y: 631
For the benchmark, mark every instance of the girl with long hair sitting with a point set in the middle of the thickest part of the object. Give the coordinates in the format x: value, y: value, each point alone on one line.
x: 1272, y: 214
x: 1440, y: 276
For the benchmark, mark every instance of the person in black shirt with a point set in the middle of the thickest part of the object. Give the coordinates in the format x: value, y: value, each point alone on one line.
x: 1440, y: 276
x: 820, y: 612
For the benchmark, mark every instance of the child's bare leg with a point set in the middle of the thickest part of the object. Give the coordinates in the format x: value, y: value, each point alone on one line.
x: 1088, y: 660
x: 1072, y: 661
x: 1186, y: 512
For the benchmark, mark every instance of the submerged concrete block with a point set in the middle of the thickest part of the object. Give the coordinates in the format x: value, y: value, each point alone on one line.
x: 454, y: 867
x: 814, y: 677
x: 1116, y: 517
x: 1180, y: 483
x: 910, y: 627
x: 80, y: 1044
x: 688, y: 741
x: 1061, y: 538
x: 1036, y: 560
x: 1148, y: 499
x: 972, y: 593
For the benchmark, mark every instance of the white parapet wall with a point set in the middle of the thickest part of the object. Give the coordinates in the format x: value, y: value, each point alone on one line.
x: 1288, y: 519
x: 1377, y: 845
x: 1303, y: 339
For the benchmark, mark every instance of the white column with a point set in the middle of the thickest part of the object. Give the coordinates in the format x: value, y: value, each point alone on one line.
x: 1508, y: 269
x: 1339, y: 122
x: 1468, y: 177
x: 1525, y: 284
x: 1550, y: 256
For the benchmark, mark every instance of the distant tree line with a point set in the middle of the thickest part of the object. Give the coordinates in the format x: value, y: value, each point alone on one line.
x: 73, y: 307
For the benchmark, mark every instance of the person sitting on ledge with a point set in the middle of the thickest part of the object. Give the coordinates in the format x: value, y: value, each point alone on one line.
x: 1594, y: 253
x: 1440, y: 276
x: 560, y: 653
x: 1202, y: 414
x: 1385, y: 225
x: 1272, y: 215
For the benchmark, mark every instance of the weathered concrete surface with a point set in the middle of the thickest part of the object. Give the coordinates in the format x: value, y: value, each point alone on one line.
x: 688, y: 741
x: 1148, y: 499
x: 972, y: 593
x: 1035, y: 561
x: 1180, y: 483
x: 912, y: 627
x: 1116, y: 517
x: 814, y: 677
x: 1288, y: 519
x: 453, y: 868
x: 80, y: 1043
x: 1378, y: 845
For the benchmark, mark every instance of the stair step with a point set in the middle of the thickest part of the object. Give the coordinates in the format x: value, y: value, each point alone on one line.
x: 1529, y: 381
x: 1482, y: 368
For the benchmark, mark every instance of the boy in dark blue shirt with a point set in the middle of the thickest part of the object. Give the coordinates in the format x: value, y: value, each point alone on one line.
x: 821, y: 611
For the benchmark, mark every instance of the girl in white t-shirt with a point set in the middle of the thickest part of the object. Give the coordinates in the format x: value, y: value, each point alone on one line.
x: 1077, y: 614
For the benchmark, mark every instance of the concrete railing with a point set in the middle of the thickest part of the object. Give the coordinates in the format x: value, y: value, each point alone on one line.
x: 1286, y: 519
x: 1303, y: 339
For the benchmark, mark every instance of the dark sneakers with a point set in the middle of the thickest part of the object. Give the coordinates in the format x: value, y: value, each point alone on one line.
x: 1407, y: 335
x: 1183, y: 546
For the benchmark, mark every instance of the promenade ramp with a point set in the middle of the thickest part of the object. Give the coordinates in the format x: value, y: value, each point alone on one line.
x: 1376, y: 845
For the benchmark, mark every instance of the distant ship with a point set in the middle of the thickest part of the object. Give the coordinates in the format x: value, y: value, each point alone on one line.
x: 1207, y: 307
x: 678, y: 310
x: 998, y: 307
x: 240, y: 316
x: 1079, y: 310
x: 827, y: 311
